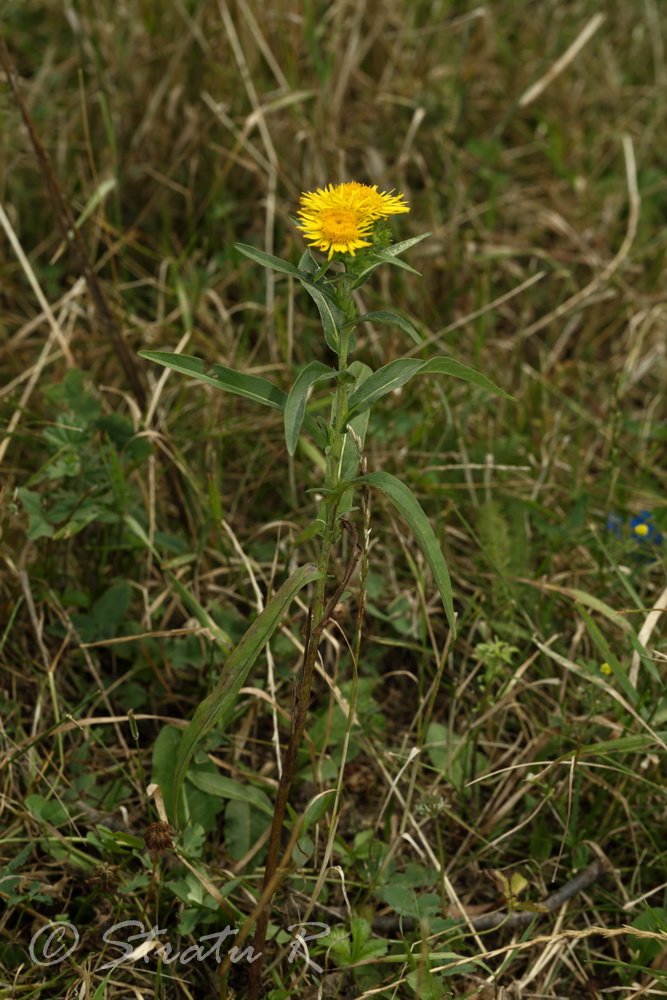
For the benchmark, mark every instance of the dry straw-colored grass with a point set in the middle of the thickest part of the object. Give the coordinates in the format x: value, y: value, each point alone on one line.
x: 528, y: 138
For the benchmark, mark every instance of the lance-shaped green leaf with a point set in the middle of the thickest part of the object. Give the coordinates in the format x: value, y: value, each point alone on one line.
x: 253, y: 387
x: 398, y: 372
x: 409, y: 508
x: 235, y: 672
x: 622, y: 744
x: 397, y: 248
x: 267, y: 259
x: 608, y: 655
x: 389, y: 258
x: 359, y: 425
x: 295, y: 407
x: 308, y: 265
x: 363, y: 276
x: 331, y: 316
x: 386, y: 256
x: 389, y: 319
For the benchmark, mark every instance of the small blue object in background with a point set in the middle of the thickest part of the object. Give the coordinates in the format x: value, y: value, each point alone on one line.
x: 643, y: 530
x: 614, y: 524
x: 640, y: 529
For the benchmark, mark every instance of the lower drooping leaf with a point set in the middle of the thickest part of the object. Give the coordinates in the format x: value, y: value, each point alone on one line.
x: 253, y: 387
x: 226, y: 788
x: 410, y: 509
x: 235, y: 671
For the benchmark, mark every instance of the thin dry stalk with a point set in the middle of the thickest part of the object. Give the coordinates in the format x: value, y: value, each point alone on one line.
x: 272, y: 875
x: 645, y: 634
x: 562, y: 62
x: 606, y: 273
x: 71, y: 235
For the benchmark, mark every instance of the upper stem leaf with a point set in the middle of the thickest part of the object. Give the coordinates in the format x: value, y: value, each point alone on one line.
x: 409, y: 508
x: 295, y: 407
x: 389, y: 319
x: 267, y: 259
x: 331, y: 316
x: 398, y: 372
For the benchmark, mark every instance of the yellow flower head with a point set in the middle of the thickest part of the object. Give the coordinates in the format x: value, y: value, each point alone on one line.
x: 338, y: 218
x: 605, y: 668
x: 334, y: 227
x: 641, y: 530
x: 379, y: 204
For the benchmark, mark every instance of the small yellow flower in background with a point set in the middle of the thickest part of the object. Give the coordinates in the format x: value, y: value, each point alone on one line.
x: 641, y: 529
x: 605, y: 669
x: 338, y: 218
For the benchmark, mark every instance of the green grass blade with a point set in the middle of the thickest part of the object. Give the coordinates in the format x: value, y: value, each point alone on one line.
x: 354, y: 442
x: 101, y: 990
x: 590, y: 601
x: 359, y: 424
x: 608, y: 656
x: 191, y: 602
x: 199, y: 612
x: 635, y: 743
x: 410, y: 509
x: 234, y: 673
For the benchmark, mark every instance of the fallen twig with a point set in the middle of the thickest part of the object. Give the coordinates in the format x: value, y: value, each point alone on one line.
x: 512, y: 918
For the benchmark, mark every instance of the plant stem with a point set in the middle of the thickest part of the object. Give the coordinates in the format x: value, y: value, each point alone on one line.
x: 318, y: 618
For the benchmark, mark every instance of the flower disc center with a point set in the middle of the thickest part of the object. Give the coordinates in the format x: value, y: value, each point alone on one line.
x: 339, y: 225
